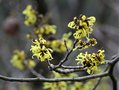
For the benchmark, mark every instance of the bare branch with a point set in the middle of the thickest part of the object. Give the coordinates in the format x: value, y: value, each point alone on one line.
x: 114, y: 81
x: 35, y: 73
x: 54, y: 79
x: 66, y: 56
x: 32, y: 70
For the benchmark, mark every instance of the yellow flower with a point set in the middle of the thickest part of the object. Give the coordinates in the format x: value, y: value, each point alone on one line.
x: 55, y: 86
x: 40, y: 51
x: 76, y: 86
x: 30, y: 16
x: 46, y: 29
x: 18, y: 59
x: 66, y: 36
x: 91, y: 20
x: 99, y: 57
x: 91, y: 61
x: 80, y: 34
x: 31, y: 63
x: 85, y: 44
x: 74, y: 24
x: 59, y: 85
x: 59, y: 45
x: 83, y: 26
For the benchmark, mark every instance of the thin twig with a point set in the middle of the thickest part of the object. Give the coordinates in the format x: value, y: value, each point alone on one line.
x: 97, y: 83
x: 33, y: 71
x: 66, y: 45
x: 66, y: 56
x: 64, y: 71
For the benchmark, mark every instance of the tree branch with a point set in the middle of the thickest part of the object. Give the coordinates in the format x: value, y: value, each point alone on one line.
x: 53, y: 79
x: 66, y: 45
x: 35, y: 73
x: 114, y: 81
x: 67, y: 55
x: 65, y: 71
x: 65, y: 58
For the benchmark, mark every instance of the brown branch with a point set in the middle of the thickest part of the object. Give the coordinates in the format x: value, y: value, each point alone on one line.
x: 67, y: 55
x: 66, y: 45
x: 52, y: 80
x: 114, y: 81
x: 65, y: 58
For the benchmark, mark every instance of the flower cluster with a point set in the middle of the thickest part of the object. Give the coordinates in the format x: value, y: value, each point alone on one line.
x: 30, y: 16
x: 83, y: 26
x: 40, y: 50
x: 59, y: 85
x: 18, y: 59
x: 45, y: 29
x: 42, y: 28
x: 85, y: 44
x: 56, y: 86
x: 30, y: 63
x: 58, y: 45
x: 91, y: 61
x: 82, y: 86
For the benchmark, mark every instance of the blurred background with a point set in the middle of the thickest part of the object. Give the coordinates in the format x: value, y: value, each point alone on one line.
x: 13, y: 31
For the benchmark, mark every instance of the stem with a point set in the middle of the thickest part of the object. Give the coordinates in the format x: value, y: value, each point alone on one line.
x: 67, y: 55
x: 114, y: 81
